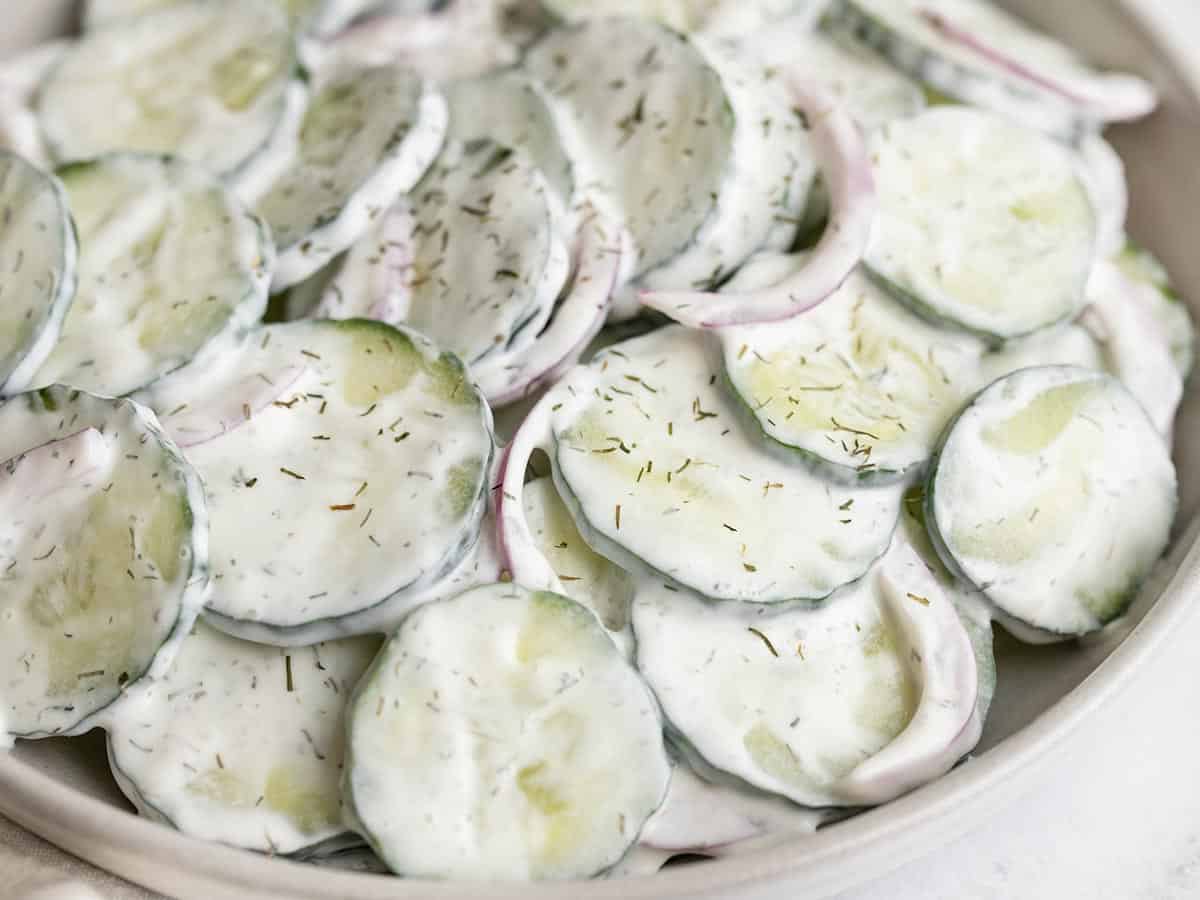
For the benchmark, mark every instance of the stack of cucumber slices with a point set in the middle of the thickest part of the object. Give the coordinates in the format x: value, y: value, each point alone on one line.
x: 817, y: 347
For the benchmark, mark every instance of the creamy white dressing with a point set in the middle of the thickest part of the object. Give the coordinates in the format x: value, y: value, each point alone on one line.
x: 982, y: 225
x: 205, y: 81
x: 660, y: 474
x: 709, y: 817
x: 170, y: 261
x: 365, y: 137
x: 380, y: 448
x: 241, y: 743
x: 39, y: 256
x: 858, y: 385
x: 500, y: 735
x: 1027, y: 486
x: 850, y: 703
x: 870, y: 89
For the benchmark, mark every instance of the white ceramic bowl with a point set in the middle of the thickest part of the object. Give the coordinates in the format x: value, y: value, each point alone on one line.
x: 62, y: 790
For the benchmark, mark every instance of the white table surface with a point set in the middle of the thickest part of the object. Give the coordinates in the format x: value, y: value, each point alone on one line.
x: 1119, y: 817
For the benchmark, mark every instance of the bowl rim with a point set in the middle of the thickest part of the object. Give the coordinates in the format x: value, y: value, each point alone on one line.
x: 117, y: 838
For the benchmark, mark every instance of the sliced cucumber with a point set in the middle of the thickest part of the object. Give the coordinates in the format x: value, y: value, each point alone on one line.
x: 320, y: 16
x: 654, y: 464
x: 586, y: 577
x: 362, y: 480
x: 1053, y: 494
x: 368, y: 135
x: 39, y: 256
x: 490, y: 254
x: 501, y: 735
x: 859, y: 386
x: 20, y: 76
x: 241, y: 743
x: 508, y: 108
x: 103, y: 556
x: 982, y: 224
x: 700, y: 816
x: 1164, y: 304
x: 978, y: 54
x: 870, y: 88
x: 205, y: 80
x: 645, y: 119
x: 972, y: 607
x: 852, y: 703
x: 170, y: 263
x: 767, y: 179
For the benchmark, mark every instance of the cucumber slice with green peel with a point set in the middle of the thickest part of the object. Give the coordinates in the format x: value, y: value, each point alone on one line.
x: 1164, y: 304
x: 853, y: 703
x: 39, y: 256
x: 357, y: 480
x: 508, y: 107
x: 1137, y: 346
x: 103, y: 556
x: 205, y: 80
x: 978, y: 54
x: 660, y: 476
x: 241, y: 743
x: 859, y: 387
x: 767, y: 178
x: 490, y: 253
x: 646, y: 120
x: 982, y: 224
x: 170, y: 263
x: 1053, y: 494
x: 501, y: 735
x: 586, y: 577
x: 367, y: 136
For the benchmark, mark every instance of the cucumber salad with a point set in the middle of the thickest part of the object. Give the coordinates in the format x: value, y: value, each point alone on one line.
x: 517, y: 440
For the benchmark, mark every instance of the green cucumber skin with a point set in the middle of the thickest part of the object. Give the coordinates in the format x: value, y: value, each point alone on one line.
x: 955, y: 569
x: 249, y: 309
x: 920, y: 308
x: 827, y: 469
x: 631, y: 562
x: 372, y: 617
x: 60, y: 305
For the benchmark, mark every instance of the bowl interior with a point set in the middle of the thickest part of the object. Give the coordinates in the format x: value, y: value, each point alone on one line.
x: 1160, y: 154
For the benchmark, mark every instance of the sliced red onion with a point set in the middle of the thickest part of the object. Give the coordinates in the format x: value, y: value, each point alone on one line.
x: 946, y: 723
x: 843, y: 160
x: 374, y: 279
x: 232, y: 408
x: 43, y: 470
x: 519, y: 553
x: 601, y: 247
x: 1104, y: 97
